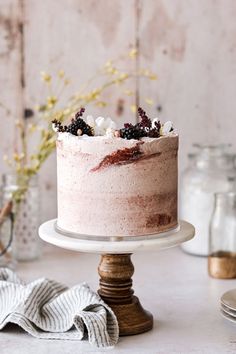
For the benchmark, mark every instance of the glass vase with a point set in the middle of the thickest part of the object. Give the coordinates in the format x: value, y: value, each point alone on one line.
x: 26, y: 242
x: 210, y: 170
x: 6, y: 238
x: 222, y: 242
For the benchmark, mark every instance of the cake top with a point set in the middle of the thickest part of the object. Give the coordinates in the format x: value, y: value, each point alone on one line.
x: 90, y: 127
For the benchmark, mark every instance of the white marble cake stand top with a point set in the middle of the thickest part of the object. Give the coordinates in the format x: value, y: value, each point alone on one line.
x: 184, y: 233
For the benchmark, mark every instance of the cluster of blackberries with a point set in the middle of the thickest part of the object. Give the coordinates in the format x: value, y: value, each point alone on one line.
x: 77, y: 126
x: 130, y: 132
x: 142, y: 129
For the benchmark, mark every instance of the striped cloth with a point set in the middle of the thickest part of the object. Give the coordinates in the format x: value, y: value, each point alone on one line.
x: 47, y: 309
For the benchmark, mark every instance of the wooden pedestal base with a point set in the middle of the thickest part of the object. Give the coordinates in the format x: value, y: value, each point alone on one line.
x: 116, y: 268
x: 116, y: 290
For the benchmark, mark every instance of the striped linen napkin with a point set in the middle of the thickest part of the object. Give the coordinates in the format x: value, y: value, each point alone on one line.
x: 49, y: 310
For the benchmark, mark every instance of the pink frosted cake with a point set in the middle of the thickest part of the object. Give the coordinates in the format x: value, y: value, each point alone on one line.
x: 116, y: 182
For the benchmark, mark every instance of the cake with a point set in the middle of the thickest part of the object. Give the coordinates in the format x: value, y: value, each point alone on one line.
x: 116, y: 182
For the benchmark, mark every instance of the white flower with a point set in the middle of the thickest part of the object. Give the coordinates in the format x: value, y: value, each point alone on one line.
x: 166, y: 128
x: 100, y: 122
x: 55, y: 127
x: 101, y: 125
x: 110, y: 123
x: 99, y: 128
x: 90, y: 121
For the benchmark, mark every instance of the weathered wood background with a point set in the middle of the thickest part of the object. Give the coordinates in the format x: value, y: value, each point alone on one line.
x: 190, y: 44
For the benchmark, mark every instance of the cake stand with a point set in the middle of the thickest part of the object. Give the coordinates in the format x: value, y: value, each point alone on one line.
x: 116, y: 269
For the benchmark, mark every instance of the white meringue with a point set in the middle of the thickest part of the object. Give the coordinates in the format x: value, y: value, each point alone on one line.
x: 167, y: 127
x: 102, y: 126
x: 54, y: 127
x: 90, y: 121
x: 155, y: 120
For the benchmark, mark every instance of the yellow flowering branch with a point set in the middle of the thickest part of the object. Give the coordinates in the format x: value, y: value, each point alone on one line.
x: 26, y: 165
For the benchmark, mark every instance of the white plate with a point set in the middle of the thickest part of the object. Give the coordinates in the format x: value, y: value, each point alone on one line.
x: 228, y: 299
x: 228, y: 317
x: 228, y: 311
x: 172, y: 238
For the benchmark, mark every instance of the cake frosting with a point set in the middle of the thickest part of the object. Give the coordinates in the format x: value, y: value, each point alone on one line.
x: 110, y: 186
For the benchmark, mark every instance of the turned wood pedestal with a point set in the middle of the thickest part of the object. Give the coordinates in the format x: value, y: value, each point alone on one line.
x: 115, y: 272
x: 116, y: 268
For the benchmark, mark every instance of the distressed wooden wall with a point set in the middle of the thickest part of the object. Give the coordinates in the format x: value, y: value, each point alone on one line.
x: 190, y: 44
x: 11, y: 68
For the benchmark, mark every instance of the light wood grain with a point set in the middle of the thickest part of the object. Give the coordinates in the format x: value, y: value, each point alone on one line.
x: 115, y: 272
x: 79, y: 38
x: 10, y: 74
x: 192, y: 46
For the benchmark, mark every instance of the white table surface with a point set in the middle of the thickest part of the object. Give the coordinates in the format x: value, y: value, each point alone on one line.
x: 174, y: 286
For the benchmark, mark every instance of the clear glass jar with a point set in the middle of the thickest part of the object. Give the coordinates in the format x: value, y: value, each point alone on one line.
x: 210, y: 170
x: 26, y: 242
x: 6, y: 238
x: 222, y: 242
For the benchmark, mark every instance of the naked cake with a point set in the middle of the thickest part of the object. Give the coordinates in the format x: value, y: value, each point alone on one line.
x: 116, y: 182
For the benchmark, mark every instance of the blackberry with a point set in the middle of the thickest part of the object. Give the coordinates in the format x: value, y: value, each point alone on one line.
x: 80, y: 113
x: 139, y: 130
x: 79, y: 125
x: 143, y: 131
x: 145, y: 121
x: 128, y: 125
x: 59, y: 127
x: 154, y: 133
x: 130, y: 132
x: 145, y: 128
